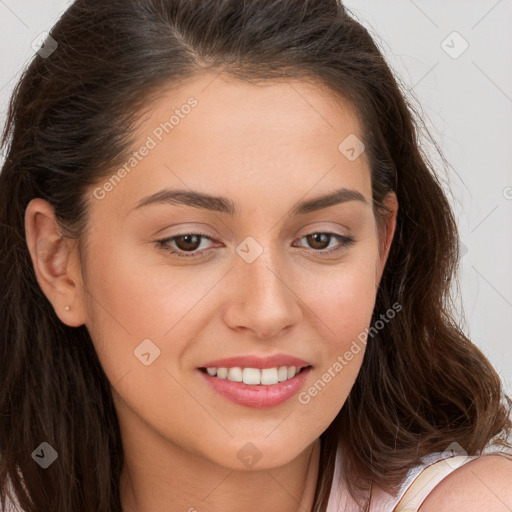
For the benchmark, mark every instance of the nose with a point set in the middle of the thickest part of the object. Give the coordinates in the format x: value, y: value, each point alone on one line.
x: 262, y: 299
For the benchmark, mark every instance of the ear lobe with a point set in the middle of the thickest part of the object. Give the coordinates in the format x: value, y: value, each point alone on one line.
x: 51, y: 255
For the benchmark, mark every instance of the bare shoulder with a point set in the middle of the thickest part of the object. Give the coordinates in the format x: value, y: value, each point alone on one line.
x: 482, y: 484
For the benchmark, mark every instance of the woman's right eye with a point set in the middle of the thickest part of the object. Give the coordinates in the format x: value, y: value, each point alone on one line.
x: 189, y: 243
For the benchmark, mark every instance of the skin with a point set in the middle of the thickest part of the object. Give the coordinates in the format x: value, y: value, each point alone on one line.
x: 265, y: 148
x: 482, y: 484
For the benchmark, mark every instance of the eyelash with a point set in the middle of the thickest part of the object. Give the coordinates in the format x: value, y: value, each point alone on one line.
x: 346, y: 242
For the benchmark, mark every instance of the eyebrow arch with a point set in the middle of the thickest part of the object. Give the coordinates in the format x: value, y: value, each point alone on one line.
x: 224, y: 205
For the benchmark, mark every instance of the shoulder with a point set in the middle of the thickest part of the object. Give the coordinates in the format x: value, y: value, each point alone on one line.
x: 481, y: 484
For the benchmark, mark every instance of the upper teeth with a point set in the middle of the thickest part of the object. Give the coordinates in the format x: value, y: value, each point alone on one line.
x: 266, y: 376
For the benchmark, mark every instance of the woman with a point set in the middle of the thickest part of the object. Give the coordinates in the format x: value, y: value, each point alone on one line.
x: 225, y: 269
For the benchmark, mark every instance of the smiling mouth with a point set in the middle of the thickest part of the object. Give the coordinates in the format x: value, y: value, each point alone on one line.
x: 255, y: 376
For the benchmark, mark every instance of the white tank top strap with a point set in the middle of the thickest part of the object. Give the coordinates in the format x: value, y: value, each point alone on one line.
x: 432, y: 474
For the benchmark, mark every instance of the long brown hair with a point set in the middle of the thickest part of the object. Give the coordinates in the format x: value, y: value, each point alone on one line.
x: 422, y: 385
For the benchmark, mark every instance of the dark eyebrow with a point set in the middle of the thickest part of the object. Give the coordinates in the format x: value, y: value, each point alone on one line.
x: 189, y: 198
x: 339, y: 196
x: 224, y: 205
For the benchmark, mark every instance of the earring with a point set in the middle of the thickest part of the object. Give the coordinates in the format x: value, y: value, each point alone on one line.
x: 67, y: 308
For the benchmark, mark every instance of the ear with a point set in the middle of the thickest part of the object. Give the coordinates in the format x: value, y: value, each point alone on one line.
x: 56, y: 263
x: 385, y: 234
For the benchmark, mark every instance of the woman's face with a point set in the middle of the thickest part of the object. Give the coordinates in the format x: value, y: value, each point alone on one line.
x: 268, y: 283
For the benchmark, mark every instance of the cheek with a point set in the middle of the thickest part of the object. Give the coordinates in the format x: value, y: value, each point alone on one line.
x: 130, y: 302
x: 346, y: 301
x: 138, y: 298
x: 342, y: 296
x: 343, y: 299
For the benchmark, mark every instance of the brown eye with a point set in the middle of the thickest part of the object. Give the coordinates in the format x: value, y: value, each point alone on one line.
x: 319, y: 240
x: 188, y: 242
x: 185, y: 245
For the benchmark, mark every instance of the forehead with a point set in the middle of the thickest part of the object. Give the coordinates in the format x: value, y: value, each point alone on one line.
x: 221, y: 134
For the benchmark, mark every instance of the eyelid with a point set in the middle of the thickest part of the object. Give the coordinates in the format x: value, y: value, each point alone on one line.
x: 324, y: 227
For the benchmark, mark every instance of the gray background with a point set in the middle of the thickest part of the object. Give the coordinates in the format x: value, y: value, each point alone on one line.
x: 465, y: 98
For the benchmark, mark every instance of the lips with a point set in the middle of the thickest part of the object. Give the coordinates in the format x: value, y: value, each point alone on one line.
x: 256, y: 381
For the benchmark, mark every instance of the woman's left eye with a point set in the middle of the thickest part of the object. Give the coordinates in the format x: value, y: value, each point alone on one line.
x: 320, y: 239
x: 187, y: 245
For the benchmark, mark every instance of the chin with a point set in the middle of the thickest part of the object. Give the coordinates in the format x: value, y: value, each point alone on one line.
x: 257, y: 454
